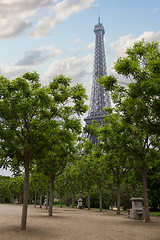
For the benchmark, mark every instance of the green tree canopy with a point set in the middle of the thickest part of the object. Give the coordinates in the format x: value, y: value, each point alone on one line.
x: 30, y: 116
x: 138, y: 105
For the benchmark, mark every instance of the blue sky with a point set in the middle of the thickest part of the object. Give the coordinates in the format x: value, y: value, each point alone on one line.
x: 56, y: 36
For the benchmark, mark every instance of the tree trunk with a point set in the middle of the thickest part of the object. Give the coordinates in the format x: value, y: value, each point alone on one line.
x: 89, y: 202
x: 20, y: 199
x: 72, y: 199
x: 40, y: 198
x: 145, y: 195
x: 35, y: 198
x: 51, y: 197
x: 61, y: 202
x: 13, y: 199
x: 118, y: 197
x: 47, y: 196
x: 100, y: 199
x: 25, y: 200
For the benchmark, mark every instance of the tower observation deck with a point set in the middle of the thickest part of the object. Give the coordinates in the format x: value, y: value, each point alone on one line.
x: 99, y: 97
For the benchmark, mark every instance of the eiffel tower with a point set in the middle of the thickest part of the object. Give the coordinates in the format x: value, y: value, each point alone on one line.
x: 99, y: 97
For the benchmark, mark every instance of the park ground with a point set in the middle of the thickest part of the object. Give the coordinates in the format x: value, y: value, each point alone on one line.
x: 74, y: 224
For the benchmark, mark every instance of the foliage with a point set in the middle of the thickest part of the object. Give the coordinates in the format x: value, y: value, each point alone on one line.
x: 154, y: 186
x: 68, y: 105
x: 30, y: 118
x: 138, y: 106
x: 117, y: 161
x: 11, y: 188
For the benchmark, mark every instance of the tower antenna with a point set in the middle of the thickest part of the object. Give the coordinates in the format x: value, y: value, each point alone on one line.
x: 98, y: 16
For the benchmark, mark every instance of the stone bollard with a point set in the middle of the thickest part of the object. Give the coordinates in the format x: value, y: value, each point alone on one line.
x: 45, y: 201
x: 137, y: 210
x: 80, y: 201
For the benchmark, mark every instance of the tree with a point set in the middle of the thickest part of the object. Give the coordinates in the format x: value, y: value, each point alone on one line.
x: 85, y: 180
x: 69, y: 106
x: 139, y: 105
x: 21, y: 106
x: 117, y: 161
x: 71, y: 181
x: 20, y: 186
x: 38, y: 184
x: 94, y: 167
x: 4, y: 189
x: 27, y: 120
x: 154, y: 186
x: 55, y: 161
x: 60, y: 186
x: 16, y: 187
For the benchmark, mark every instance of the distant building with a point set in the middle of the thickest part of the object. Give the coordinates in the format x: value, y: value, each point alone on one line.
x: 99, y: 97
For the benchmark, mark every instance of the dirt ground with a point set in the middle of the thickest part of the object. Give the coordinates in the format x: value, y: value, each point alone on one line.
x: 74, y: 224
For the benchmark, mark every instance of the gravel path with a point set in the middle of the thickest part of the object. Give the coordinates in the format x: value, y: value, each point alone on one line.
x: 74, y: 224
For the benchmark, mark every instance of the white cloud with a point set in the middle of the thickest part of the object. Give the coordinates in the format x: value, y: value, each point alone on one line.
x: 63, y: 10
x: 14, y: 71
x: 70, y: 49
x: 76, y: 40
x: 11, y: 28
x: 119, y: 46
x: 90, y: 46
x: 27, y: 12
x: 123, y: 42
x: 43, y: 27
x: 18, y: 15
x: 78, y: 69
x: 150, y: 36
x: 95, y: 5
x: 121, y: 79
x: 50, y: 47
x: 30, y: 61
x: 39, y: 56
x: 156, y: 9
x: 66, y: 8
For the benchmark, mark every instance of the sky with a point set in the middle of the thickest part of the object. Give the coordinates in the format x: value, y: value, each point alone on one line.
x: 56, y: 37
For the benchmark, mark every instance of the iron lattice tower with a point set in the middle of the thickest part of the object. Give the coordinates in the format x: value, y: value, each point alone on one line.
x: 99, y: 97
